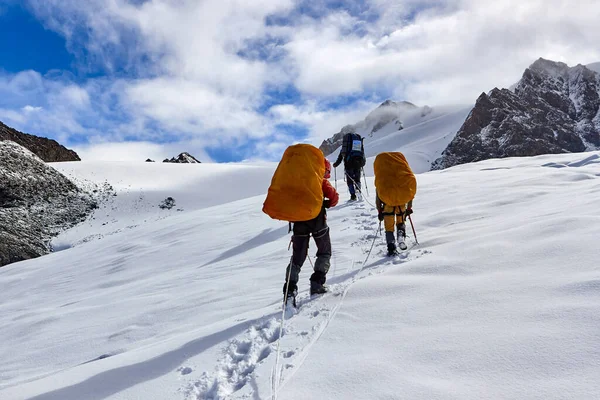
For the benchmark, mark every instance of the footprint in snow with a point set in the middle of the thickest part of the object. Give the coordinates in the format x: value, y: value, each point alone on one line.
x: 239, y: 362
x: 289, y: 354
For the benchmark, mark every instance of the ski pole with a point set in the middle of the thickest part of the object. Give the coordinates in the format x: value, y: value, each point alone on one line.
x: 365, y: 177
x: 335, y: 175
x: 413, y: 229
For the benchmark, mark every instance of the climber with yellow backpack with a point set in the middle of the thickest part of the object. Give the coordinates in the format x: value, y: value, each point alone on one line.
x: 396, y: 186
x: 300, y: 193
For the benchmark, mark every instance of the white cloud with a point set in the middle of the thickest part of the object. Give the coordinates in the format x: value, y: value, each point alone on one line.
x: 322, y: 122
x: 198, y: 71
x: 74, y: 96
x: 189, y: 106
x: 463, y: 47
x: 11, y: 117
x: 31, y: 109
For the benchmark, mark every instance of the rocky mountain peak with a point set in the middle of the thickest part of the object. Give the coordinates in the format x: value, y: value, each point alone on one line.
x: 553, y: 109
x: 390, y: 103
x: 183, y: 158
x: 549, y: 67
x: 47, y: 149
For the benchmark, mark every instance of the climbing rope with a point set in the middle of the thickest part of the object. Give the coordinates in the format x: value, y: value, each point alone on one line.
x: 357, y: 187
x: 274, y: 380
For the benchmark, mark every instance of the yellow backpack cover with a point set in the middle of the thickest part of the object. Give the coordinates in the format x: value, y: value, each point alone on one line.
x: 296, y: 191
x: 394, y: 180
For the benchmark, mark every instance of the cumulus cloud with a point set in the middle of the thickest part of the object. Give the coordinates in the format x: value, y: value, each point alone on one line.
x: 202, y: 72
x: 322, y: 122
x: 432, y: 52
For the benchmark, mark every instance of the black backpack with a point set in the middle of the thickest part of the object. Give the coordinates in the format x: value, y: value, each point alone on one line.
x: 355, y: 151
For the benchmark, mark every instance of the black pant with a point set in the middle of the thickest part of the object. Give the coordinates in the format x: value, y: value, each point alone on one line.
x: 319, y: 230
x: 353, y: 179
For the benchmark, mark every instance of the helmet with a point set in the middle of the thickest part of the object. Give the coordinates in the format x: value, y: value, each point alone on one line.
x: 327, y: 169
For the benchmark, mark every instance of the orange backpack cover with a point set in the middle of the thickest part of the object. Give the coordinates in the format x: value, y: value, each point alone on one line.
x: 394, y: 180
x: 296, y: 191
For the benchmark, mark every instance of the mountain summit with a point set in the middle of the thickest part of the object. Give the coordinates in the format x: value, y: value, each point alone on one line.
x: 183, y: 158
x: 554, y: 108
x: 390, y: 115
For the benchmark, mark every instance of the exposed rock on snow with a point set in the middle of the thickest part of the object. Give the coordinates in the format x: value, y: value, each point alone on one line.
x: 47, y: 149
x: 552, y: 109
x: 167, y: 203
x: 36, y: 202
x: 183, y: 158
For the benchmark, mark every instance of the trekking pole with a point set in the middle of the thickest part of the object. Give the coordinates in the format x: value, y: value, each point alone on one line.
x: 365, y: 177
x: 335, y: 175
x: 413, y: 229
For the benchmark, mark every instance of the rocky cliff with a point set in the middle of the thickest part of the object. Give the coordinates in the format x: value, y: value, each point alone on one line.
x: 552, y: 109
x: 47, y: 149
x: 36, y: 202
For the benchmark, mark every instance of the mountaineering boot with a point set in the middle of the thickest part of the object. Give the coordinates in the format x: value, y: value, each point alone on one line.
x: 391, y: 249
x: 402, y: 237
x: 291, y: 298
x: 317, y: 288
x: 402, y: 244
x: 292, y: 292
x: 353, y: 196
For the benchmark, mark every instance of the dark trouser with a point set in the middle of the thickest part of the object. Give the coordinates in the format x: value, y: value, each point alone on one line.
x: 319, y: 230
x: 353, y: 179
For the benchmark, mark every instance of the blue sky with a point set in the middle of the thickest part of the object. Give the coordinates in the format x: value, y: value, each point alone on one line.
x: 25, y: 44
x: 228, y: 80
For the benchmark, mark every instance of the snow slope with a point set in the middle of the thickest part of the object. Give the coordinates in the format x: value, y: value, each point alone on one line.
x: 500, y: 300
x: 424, y: 137
x: 422, y: 141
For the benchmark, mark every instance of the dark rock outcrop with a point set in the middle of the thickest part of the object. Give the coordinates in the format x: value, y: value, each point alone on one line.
x: 553, y: 109
x: 36, y: 203
x: 183, y: 158
x: 47, y: 149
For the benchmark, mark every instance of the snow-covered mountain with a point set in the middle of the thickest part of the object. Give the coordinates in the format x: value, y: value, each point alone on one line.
x: 389, y: 116
x: 552, y: 109
x: 36, y: 202
x: 425, y: 132
x: 185, y: 303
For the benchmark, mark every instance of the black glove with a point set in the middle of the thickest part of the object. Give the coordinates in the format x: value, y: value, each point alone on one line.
x: 380, y: 216
x: 408, y: 211
x: 335, y: 164
x: 326, y: 203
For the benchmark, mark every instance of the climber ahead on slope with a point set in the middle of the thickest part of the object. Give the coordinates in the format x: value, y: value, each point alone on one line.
x: 353, y: 155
